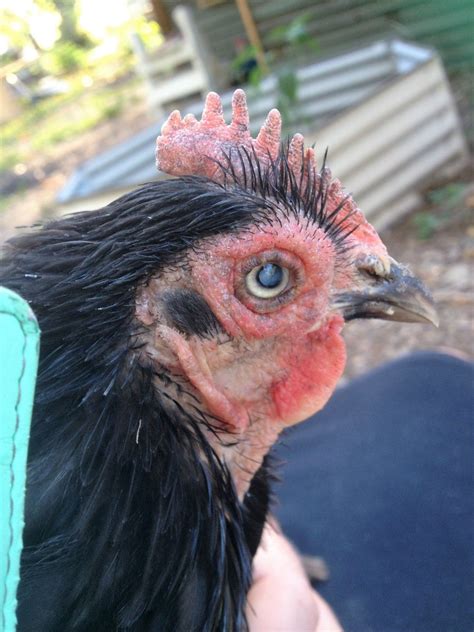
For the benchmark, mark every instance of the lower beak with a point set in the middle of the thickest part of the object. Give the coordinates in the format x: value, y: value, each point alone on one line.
x: 394, y: 294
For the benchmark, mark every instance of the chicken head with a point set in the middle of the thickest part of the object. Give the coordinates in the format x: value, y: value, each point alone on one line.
x: 250, y: 321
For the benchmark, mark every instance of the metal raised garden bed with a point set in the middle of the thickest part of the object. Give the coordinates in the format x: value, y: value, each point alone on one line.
x: 385, y: 111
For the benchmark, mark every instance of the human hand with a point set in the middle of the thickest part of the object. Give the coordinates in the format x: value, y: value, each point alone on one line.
x: 281, y: 598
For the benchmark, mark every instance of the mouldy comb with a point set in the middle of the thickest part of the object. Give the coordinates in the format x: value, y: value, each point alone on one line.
x: 191, y: 147
x: 187, y: 146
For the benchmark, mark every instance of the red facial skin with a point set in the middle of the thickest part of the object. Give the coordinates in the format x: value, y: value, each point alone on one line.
x: 281, y: 357
x: 286, y: 353
x: 305, y: 364
x: 300, y: 366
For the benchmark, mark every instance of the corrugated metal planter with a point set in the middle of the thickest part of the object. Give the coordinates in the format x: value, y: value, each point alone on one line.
x: 385, y: 111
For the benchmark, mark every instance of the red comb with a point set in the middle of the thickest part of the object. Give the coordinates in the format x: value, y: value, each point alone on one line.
x: 191, y: 147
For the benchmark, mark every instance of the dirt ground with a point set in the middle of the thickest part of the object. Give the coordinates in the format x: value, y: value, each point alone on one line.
x: 444, y: 259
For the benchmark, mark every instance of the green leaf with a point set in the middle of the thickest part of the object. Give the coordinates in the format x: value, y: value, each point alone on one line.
x: 288, y: 85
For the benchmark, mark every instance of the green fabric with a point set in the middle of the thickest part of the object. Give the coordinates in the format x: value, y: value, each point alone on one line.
x: 19, y: 346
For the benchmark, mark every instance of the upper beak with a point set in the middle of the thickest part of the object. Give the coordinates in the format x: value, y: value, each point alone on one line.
x: 389, y: 291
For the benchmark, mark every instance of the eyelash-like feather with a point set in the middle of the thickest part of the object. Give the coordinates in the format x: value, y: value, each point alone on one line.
x: 301, y: 195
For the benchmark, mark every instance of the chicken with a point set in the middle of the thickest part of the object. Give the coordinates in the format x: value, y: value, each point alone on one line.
x: 184, y: 326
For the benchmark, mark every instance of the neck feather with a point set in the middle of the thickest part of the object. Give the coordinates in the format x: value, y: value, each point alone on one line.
x: 133, y: 505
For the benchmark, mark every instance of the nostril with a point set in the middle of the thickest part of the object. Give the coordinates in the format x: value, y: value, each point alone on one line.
x: 374, y: 266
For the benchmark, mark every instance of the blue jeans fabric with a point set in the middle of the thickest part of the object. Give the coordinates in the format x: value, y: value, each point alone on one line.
x: 380, y: 484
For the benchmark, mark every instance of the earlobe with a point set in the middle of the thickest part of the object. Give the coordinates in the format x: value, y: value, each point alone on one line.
x: 143, y: 308
x: 194, y: 366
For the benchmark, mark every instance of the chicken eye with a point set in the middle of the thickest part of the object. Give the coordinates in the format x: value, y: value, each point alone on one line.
x: 267, y: 280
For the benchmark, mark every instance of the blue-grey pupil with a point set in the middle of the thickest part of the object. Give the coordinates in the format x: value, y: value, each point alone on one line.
x: 270, y: 275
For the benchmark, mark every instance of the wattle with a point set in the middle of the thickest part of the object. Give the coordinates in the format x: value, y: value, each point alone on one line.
x: 314, y: 363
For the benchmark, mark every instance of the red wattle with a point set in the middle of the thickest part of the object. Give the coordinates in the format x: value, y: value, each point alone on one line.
x: 314, y: 364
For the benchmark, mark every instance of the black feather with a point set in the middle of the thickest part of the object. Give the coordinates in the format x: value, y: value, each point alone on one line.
x: 189, y: 313
x: 131, y: 520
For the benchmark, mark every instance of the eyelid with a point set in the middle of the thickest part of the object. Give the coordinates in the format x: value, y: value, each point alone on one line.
x: 282, y: 258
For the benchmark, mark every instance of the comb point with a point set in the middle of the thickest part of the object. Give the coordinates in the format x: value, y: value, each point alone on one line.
x: 268, y: 138
x: 310, y: 160
x: 173, y: 122
x: 212, y: 113
x: 296, y: 153
x: 190, y: 120
x: 240, y: 113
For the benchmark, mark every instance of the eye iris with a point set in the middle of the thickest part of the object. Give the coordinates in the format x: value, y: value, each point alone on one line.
x: 270, y: 275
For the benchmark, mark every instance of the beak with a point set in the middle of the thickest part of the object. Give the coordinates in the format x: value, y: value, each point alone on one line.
x: 388, y: 291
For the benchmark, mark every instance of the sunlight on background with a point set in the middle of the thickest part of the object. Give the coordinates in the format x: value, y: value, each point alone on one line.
x: 43, y: 25
x: 94, y: 18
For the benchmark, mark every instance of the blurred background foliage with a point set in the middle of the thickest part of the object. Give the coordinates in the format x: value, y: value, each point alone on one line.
x: 69, y: 74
